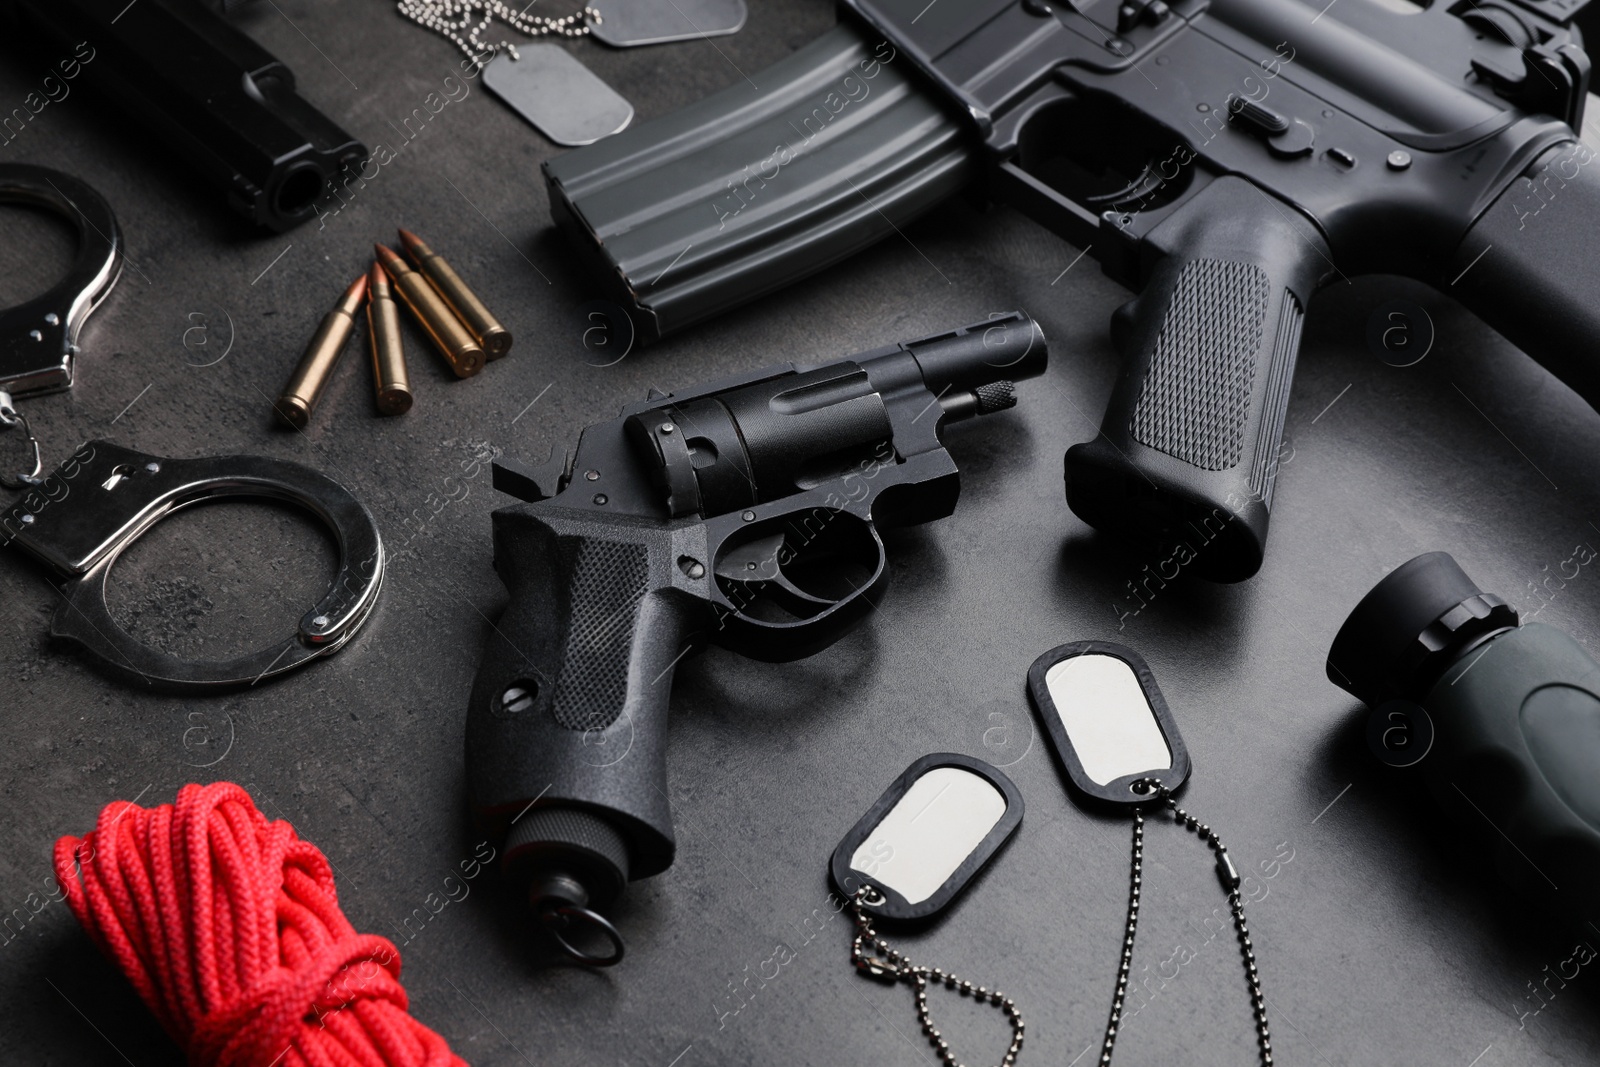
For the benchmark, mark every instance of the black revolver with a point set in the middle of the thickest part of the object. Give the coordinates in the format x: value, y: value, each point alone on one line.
x: 1223, y: 158
x: 744, y: 513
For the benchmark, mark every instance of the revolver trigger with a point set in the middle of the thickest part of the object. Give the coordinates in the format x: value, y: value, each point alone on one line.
x: 817, y: 562
x: 755, y: 560
x: 756, y: 564
x: 792, y: 598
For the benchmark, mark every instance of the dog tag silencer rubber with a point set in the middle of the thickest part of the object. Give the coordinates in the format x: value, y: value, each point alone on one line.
x: 922, y: 842
x: 562, y: 98
x: 1107, y: 720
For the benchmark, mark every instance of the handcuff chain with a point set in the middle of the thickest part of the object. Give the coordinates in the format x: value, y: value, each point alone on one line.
x: 1231, y: 882
x: 449, y: 18
x: 895, y: 967
x: 9, y: 417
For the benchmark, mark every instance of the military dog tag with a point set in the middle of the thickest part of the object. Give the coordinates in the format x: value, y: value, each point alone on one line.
x: 562, y: 98
x: 628, y: 23
x: 928, y: 835
x: 1119, y: 745
x: 1107, y: 721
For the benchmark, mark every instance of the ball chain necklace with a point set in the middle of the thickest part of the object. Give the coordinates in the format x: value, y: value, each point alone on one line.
x: 461, y: 21
x: 885, y: 870
x: 874, y: 956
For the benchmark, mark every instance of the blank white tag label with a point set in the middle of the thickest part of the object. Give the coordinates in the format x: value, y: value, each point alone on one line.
x: 930, y: 832
x: 562, y: 98
x: 1108, y: 720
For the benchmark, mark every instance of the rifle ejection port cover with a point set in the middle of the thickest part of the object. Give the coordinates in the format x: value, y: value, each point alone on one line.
x: 629, y: 23
x: 1107, y: 721
x: 927, y: 836
x: 562, y: 98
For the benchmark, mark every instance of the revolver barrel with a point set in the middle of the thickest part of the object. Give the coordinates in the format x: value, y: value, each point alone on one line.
x: 977, y: 358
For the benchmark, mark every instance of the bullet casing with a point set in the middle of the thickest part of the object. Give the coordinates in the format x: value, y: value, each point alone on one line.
x: 299, y: 397
x: 493, y: 337
x: 391, y: 383
x: 449, y: 336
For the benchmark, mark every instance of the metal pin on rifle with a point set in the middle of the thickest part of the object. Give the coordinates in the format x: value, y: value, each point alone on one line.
x: 299, y: 398
x: 493, y: 337
x: 390, y: 380
x: 449, y: 336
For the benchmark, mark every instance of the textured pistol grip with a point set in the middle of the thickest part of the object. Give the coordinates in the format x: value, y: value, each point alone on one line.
x: 1189, y: 450
x: 569, y: 707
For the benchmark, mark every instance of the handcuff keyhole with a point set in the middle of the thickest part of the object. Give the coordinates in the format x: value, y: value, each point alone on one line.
x: 122, y: 471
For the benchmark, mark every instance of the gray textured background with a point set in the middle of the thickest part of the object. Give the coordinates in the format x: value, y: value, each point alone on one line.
x: 1381, y: 941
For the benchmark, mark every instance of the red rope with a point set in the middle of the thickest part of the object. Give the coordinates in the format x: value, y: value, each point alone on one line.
x: 229, y: 928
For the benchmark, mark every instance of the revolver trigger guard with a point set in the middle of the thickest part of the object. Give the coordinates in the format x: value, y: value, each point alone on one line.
x: 90, y: 510
x: 39, y: 338
x: 818, y: 617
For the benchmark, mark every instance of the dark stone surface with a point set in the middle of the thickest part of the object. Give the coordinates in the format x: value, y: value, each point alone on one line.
x: 1382, y: 941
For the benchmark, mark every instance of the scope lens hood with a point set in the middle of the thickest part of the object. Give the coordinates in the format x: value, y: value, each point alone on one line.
x: 1410, y: 627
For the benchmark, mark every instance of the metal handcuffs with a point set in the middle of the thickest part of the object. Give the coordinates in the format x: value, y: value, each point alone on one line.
x: 39, y: 338
x: 80, y: 518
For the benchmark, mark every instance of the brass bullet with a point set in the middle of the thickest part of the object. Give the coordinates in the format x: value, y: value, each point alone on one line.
x: 299, y: 397
x: 449, y: 336
x: 389, y: 376
x: 495, y: 338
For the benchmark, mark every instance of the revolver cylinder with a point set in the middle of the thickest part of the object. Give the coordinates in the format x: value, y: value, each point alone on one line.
x: 793, y: 432
x: 762, y: 442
